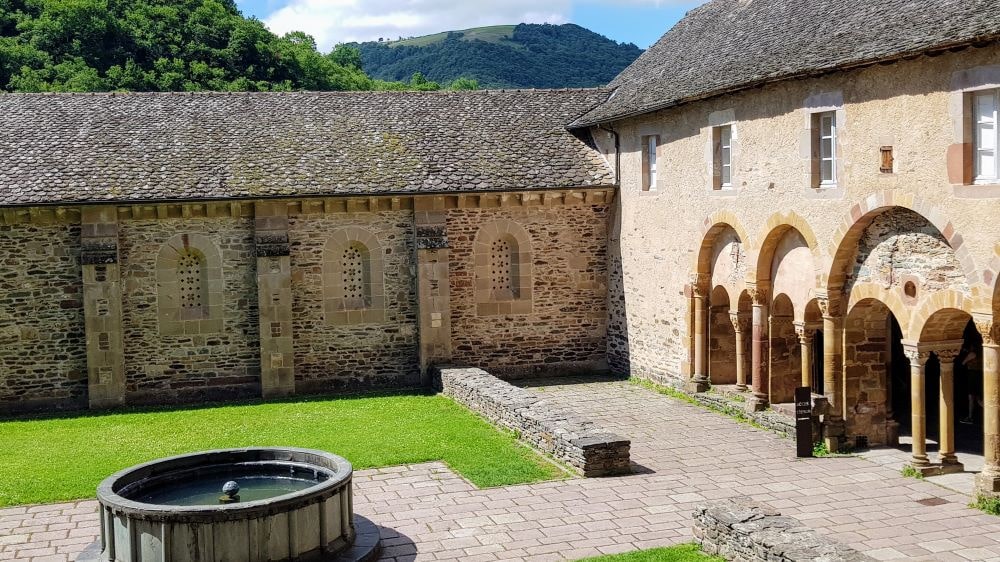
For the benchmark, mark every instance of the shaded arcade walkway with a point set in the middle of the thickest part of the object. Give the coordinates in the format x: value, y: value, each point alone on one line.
x: 686, y: 455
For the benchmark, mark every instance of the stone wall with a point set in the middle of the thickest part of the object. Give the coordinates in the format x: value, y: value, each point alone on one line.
x: 332, y: 355
x: 745, y: 531
x: 210, y: 364
x: 565, y: 330
x: 43, y: 357
x: 547, y: 427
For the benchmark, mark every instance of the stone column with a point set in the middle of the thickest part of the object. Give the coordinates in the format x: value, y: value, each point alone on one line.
x: 988, y: 481
x: 946, y: 424
x: 740, y: 326
x: 102, y: 306
x: 833, y: 346
x: 699, y: 291
x: 433, y: 288
x: 274, y: 299
x: 918, y: 429
x: 805, y: 350
x: 758, y: 350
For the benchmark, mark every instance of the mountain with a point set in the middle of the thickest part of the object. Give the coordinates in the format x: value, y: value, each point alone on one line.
x: 505, y: 56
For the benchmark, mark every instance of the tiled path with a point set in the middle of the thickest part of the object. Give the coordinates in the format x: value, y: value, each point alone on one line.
x: 689, y: 455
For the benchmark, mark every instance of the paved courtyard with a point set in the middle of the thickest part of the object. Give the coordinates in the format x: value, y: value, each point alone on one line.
x: 686, y: 455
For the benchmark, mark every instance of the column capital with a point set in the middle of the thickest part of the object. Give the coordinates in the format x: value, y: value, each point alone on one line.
x: 947, y: 356
x: 828, y: 306
x: 915, y: 354
x: 741, y: 322
x: 987, y: 329
x: 802, y: 330
x: 758, y: 295
x: 699, y: 284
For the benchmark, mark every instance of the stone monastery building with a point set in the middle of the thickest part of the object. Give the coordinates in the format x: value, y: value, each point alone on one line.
x: 776, y: 194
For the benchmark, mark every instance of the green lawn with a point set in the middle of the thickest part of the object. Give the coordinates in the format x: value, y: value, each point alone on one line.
x: 58, y: 459
x: 679, y: 553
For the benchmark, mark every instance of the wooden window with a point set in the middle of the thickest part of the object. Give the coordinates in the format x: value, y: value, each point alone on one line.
x: 984, y: 114
x: 650, y: 144
x: 722, y: 141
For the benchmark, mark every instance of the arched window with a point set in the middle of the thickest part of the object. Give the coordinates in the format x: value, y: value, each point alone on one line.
x: 503, y: 269
x: 189, y: 286
x: 353, y: 287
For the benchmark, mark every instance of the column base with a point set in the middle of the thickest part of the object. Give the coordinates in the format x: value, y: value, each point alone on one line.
x: 988, y: 484
x: 741, y: 388
x: 939, y: 469
x: 277, y: 392
x: 698, y: 385
x: 834, y: 430
x: 757, y: 404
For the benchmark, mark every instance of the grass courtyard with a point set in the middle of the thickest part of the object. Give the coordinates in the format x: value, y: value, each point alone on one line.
x: 64, y: 458
x: 679, y: 553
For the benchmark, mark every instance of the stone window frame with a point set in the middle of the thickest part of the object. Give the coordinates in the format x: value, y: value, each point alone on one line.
x: 961, y: 157
x: 815, y: 107
x: 338, y: 308
x: 517, y: 300
x: 650, y: 166
x: 174, y: 319
x: 717, y: 121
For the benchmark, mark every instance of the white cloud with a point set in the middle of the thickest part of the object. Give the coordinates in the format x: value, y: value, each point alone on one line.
x: 338, y: 21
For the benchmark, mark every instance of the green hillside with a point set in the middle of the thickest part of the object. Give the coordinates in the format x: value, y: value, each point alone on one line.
x: 491, y: 34
x: 503, y: 56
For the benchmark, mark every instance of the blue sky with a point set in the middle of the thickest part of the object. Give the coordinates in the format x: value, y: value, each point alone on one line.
x: 334, y: 21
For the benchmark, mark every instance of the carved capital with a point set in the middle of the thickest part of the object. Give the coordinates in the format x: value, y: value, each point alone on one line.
x: 741, y: 322
x: 828, y: 307
x: 805, y: 335
x: 758, y: 295
x: 947, y: 355
x: 916, y: 356
x: 699, y: 285
x: 987, y: 329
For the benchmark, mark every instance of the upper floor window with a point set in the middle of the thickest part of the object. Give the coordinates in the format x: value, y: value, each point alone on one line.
x: 985, y: 137
x: 650, y: 144
x: 722, y: 139
x: 825, y: 148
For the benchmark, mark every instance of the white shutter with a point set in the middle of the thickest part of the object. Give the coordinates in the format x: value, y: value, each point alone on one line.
x: 986, y: 135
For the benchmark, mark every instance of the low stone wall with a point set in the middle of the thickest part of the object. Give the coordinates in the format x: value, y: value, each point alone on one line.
x: 546, y: 426
x: 745, y: 531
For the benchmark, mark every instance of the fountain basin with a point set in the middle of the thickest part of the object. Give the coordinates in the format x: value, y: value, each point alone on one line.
x: 292, y: 504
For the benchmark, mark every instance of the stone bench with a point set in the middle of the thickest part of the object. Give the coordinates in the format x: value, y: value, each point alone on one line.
x: 537, y: 421
x: 745, y: 531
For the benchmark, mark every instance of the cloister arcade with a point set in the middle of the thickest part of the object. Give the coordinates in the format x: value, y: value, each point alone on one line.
x: 890, y: 323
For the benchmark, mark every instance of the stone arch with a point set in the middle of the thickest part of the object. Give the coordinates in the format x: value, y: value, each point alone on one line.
x: 891, y: 300
x: 189, y: 285
x: 786, y: 264
x: 503, y: 268
x: 714, y: 225
x: 846, y: 239
x: 776, y: 227
x: 353, y: 278
x: 942, y: 320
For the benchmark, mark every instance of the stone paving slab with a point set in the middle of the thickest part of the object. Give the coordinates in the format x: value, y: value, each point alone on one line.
x: 685, y: 456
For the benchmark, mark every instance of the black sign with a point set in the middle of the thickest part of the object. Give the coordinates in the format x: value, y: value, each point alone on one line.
x: 803, y: 421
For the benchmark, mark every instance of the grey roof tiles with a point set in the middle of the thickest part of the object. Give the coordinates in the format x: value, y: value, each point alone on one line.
x: 727, y: 45
x: 63, y: 148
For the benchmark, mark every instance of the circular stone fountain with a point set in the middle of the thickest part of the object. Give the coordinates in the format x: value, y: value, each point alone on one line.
x: 233, y: 505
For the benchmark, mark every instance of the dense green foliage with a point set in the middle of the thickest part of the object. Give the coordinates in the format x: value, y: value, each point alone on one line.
x: 531, y: 56
x: 47, y: 460
x: 165, y: 45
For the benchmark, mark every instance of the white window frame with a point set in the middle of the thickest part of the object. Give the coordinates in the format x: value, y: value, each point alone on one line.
x: 726, y: 156
x: 831, y: 157
x: 985, y: 127
x: 650, y: 146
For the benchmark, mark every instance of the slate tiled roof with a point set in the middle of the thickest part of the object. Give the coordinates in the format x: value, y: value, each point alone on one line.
x: 117, y: 147
x: 727, y: 45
